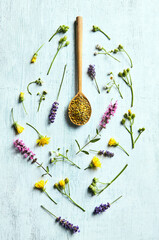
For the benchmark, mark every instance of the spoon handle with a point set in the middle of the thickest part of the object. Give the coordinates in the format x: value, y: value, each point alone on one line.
x: 79, y: 40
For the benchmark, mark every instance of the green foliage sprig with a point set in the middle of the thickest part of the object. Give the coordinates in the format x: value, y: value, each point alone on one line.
x: 130, y: 118
x: 102, y: 50
x: 97, y: 29
x: 61, y: 29
x: 38, y: 82
x: 112, y: 83
x: 42, y: 98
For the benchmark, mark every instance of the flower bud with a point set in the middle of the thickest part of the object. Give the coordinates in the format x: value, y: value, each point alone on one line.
x: 120, y: 47
x: 126, y: 115
x: 44, y: 92
x: 120, y: 74
x: 133, y: 116
x: 128, y: 70
x: 124, y: 72
x: 98, y: 47
x: 123, y: 121
x: 115, y: 50
x: 67, y: 43
x: 56, y: 185
x: 66, y: 180
x: 95, y: 54
x: 129, y: 118
x: 95, y: 28
x: 95, y: 180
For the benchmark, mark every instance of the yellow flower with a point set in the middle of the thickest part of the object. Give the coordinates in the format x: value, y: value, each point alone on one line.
x: 129, y: 111
x: 112, y: 142
x: 96, y: 162
x: 34, y: 58
x: 18, y: 128
x: 62, y: 183
x: 43, y: 140
x: 41, y: 184
x: 21, y: 97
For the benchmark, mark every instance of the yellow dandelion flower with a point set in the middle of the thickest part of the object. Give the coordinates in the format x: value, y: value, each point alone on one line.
x: 43, y: 140
x: 34, y: 58
x: 96, y: 162
x: 112, y: 142
x: 41, y: 184
x: 62, y: 183
x: 18, y: 128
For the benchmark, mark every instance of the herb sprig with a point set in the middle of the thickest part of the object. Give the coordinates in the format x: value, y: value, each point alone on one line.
x: 112, y: 83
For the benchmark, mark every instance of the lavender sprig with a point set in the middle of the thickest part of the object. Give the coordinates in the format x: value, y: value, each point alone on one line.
x: 92, y: 74
x: 103, y: 207
x: 94, y: 189
x: 104, y: 153
x: 55, y: 105
x: 28, y: 154
x: 105, y: 120
x: 63, y: 222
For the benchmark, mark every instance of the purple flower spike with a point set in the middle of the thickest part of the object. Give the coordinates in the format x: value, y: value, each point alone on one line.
x: 101, y: 208
x: 53, y: 111
x: 105, y: 153
x: 91, y: 71
x: 109, y: 112
x: 23, y: 149
x: 67, y: 225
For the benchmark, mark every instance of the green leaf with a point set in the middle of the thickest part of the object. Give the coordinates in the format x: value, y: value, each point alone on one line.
x: 85, y: 152
x: 78, y: 144
x: 40, y: 165
x: 47, y: 169
x: 95, y: 140
x: 97, y: 131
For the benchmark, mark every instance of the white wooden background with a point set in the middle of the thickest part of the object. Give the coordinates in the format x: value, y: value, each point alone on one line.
x: 24, y: 26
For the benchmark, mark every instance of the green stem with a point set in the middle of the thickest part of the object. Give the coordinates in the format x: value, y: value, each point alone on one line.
x: 104, y: 34
x: 97, y: 85
x: 43, y: 168
x: 76, y: 203
x: 131, y: 133
x: 123, y: 149
x: 118, y: 89
x: 24, y: 107
x: 48, y: 211
x: 50, y: 197
x: 137, y: 138
x: 39, y: 104
x: 12, y: 116
x: 132, y: 96
x: 54, y: 59
x: 114, y: 179
x: 128, y: 57
x: 33, y: 128
x: 53, y: 36
x: 69, y: 160
x: 87, y: 168
x: 127, y: 129
x: 40, y: 48
x: 116, y: 200
x: 61, y: 81
x: 28, y: 87
x: 107, y: 53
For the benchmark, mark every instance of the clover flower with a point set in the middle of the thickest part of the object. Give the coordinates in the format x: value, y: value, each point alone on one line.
x: 38, y: 82
x: 62, y: 43
x: 95, y: 163
x: 96, y: 29
x: 61, y: 29
x: 28, y: 154
x: 112, y: 143
x: 63, y: 222
x: 102, y: 50
x: 107, y: 115
x: 42, y: 98
x: 43, y: 140
x: 103, y: 207
x: 120, y: 48
x: 112, y: 83
x: 58, y: 157
x: 92, y: 74
x: 34, y: 58
x: 95, y: 188
x: 55, y: 105
x: 21, y: 100
x: 41, y: 186
x: 105, y: 120
x: 19, y: 129
x: 130, y: 118
x: 63, y: 186
x: 126, y: 77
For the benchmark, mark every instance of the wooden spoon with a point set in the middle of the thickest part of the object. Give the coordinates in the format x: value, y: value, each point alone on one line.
x: 79, y: 109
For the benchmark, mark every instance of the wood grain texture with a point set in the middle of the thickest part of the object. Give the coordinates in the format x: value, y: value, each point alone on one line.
x: 24, y: 26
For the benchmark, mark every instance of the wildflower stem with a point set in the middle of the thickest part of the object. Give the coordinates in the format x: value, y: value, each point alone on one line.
x: 43, y: 168
x: 132, y: 96
x: 12, y: 115
x: 104, y: 34
x: 69, y: 160
x: 128, y: 57
x: 28, y: 87
x: 40, y: 47
x: 118, y: 89
x: 33, y: 128
x: 113, y: 179
x: 75, y: 203
x: 97, y: 85
x: 53, y: 35
x: 107, y: 53
x: 123, y: 149
x: 50, y: 197
x: 24, y: 107
x: 116, y: 200
x: 61, y: 81
x: 137, y: 138
x: 87, y: 168
x: 131, y: 133
x: 54, y: 59
x: 48, y: 211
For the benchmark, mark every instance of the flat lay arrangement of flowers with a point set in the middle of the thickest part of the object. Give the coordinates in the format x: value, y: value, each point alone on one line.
x: 87, y: 145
